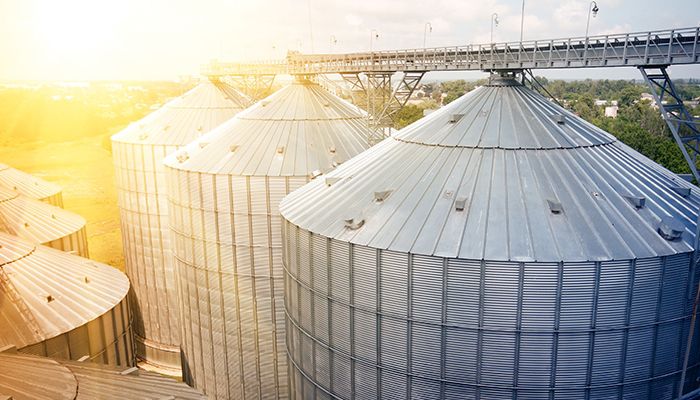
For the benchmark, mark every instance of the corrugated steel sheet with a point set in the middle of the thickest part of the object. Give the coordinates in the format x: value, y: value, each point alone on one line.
x: 60, y: 305
x: 42, y: 223
x: 226, y: 228
x: 30, y: 377
x: 300, y: 129
x: 490, y: 252
x: 24, y: 377
x: 138, y: 152
x: 30, y: 185
x: 507, y: 160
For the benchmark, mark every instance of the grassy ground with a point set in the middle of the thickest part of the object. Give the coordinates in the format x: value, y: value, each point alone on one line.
x: 84, y: 168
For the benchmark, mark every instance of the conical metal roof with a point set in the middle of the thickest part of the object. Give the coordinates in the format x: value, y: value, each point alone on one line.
x: 502, y: 174
x: 35, y: 221
x: 46, y: 292
x: 187, y: 117
x: 300, y: 129
x: 38, y: 378
x: 30, y: 185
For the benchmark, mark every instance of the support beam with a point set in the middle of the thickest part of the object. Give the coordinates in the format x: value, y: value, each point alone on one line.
x: 255, y: 86
x: 683, y: 125
x: 401, y: 94
x: 381, y: 99
x: 529, y: 79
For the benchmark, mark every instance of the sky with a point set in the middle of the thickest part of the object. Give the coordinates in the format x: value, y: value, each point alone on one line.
x: 165, y: 40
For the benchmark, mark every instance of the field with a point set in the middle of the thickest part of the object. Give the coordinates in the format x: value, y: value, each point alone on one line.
x: 84, y: 168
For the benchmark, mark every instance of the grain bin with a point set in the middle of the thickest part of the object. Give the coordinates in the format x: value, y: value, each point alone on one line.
x: 27, y: 377
x: 60, y: 305
x: 224, y: 190
x: 138, y: 152
x: 42, y: 223
x: 30, y: 185
x: 500, y: 247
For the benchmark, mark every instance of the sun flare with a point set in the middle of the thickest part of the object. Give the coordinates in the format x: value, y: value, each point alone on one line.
x: 75, y: 27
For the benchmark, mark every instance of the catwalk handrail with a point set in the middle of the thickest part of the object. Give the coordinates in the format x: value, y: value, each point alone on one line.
x: 661, y: 47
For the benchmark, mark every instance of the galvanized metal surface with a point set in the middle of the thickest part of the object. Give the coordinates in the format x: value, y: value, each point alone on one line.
x: 60, y: 305
x: 30, y: 185
x: 32, y: 378
x: 500, y: 255
x: 508, y: 158
x: 226, y: 228
x: 138, y: 152
x: 24, y: 377
x: 42, y: 223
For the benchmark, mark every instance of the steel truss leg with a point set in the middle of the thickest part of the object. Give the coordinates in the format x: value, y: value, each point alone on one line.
x: 529, y: 79
x: 255, y: 86
x: 683, y: 126
x: 382, y: 101
x: 687, y: 135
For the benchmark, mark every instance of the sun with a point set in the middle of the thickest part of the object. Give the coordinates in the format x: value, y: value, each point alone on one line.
x: 73, y: 27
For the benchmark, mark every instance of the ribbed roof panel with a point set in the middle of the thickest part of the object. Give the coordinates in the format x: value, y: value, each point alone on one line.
x: 187, y: 117
x: 30, y: 377
x: 504, y: 181
x: 27, y: 184
x: 300, y: 129
x: 47, y: 292
x: 35, y: 221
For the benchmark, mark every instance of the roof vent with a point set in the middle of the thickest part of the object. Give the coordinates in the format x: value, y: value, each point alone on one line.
x: 53, y: 216
x: 559, y: 118
x: 182, y: 157
x: 460, y: 203
x: 326, y: 104
x: 143, y: 136
x: 683, y: 191
x: 264, y: 103
x: 315, y: 174
x: 86, y: 279
x: 354, y: 222
x: 381, y: 196
x: 555, y: 206
x: 331, y: 149
x: 455, y: 117
x: 26, y: 224
x: 49, y: 298
x: 670, y: 228
x: 332, y: 180
x: 280, y: 150
x: 233, y: 148
x: 203, y: 145
x: 166, y: 127
x: 637, y: 201
x: 335, y: 163
x: 200, y: 128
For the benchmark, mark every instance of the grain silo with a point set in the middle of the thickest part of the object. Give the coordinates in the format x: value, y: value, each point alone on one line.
x: 60, y: 305
x: 30, y: 185
x: 27, y: 377
x: 138, y: 152
x: 224, y: 190
x: 42, y: 223
x: 499, y: 248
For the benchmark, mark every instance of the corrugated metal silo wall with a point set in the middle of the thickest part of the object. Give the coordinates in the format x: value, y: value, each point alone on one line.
x: 106, y: 340
x: 143, y: 205
x: 364, y: 323
x: 54, y: 200
x: 75, y: 243
x: 228, y: 253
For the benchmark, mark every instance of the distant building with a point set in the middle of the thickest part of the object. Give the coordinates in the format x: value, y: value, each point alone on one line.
x: 611, y: 111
